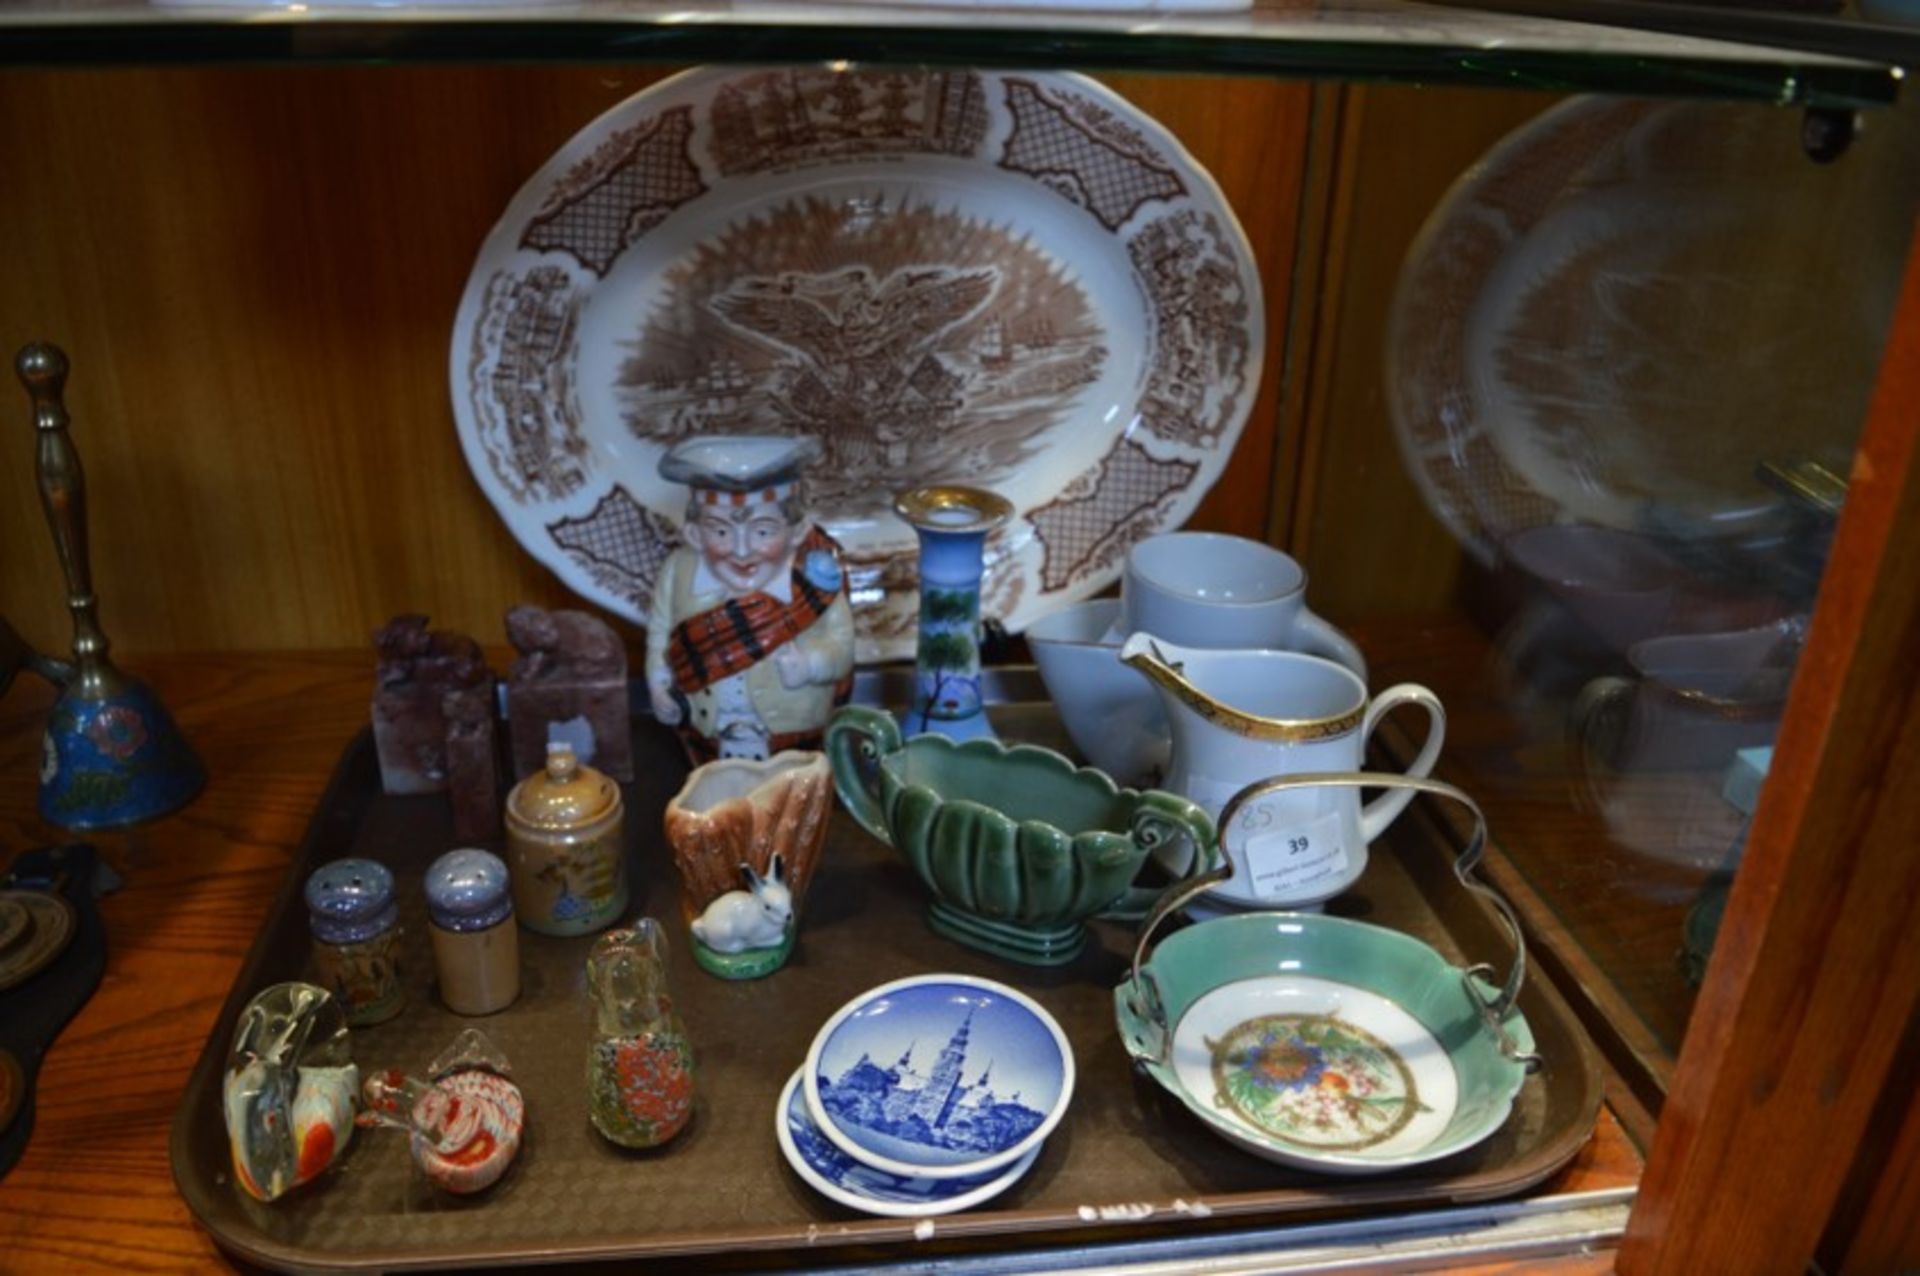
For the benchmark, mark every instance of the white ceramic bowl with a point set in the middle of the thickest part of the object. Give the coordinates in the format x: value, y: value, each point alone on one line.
x: 939, y: 1076
x: 1110, y: 711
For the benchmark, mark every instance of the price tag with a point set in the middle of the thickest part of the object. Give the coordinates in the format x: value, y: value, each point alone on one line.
x: 1298, y: 861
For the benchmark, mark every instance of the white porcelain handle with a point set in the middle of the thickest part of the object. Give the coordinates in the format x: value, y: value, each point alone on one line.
x: 1316, y: 637
x: 1376, y: 815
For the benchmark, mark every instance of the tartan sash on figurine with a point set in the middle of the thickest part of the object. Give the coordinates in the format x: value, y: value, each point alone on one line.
x: 741, y: 632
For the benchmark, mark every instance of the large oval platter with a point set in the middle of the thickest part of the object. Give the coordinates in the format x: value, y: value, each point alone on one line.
x: 1013, y: 280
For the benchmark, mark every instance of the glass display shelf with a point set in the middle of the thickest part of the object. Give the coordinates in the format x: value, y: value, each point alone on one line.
x: 1877, y: 30
x: 1374, y: 40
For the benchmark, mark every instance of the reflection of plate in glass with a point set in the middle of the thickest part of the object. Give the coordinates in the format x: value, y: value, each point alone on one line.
x: 1627, y: 306
x: 1011, y: 280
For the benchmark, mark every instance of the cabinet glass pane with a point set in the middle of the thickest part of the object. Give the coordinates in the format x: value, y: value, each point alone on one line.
x: 1386, y: 40
x: 1623, y: 364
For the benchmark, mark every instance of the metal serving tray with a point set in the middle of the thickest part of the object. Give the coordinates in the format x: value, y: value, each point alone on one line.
x: 1126, y: 1161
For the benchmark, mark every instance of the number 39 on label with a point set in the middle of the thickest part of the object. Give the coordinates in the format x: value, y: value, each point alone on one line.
x: 1298, y: 861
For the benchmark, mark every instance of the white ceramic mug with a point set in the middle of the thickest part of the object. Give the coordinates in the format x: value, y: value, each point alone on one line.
x: 1206, y: 589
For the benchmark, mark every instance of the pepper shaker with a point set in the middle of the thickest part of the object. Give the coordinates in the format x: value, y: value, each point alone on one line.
x: 356, y: 938
x: 476, y: 949
x: 565, y: 847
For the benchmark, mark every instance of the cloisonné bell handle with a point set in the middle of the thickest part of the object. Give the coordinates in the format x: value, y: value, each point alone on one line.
x: 63, y: 492
x: 857, y: 739
x: 1493, y: 1010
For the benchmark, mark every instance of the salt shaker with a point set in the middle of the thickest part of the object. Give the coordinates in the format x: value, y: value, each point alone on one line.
x: 476, y: 948
x: 565, y: 847
x: 356, y: 938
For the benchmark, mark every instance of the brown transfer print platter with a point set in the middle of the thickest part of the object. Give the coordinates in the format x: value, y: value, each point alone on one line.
x: 1013, y: 280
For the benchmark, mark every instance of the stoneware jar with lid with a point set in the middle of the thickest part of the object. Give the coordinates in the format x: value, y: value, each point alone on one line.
x: 356, y: 938
x: 565, y: 847
x: 476, y: 947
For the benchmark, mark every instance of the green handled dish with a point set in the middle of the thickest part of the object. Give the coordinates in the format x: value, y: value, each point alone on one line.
x: 1325, y: 1043
x: 1019, y: 846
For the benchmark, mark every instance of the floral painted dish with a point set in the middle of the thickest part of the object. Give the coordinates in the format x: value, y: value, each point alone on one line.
x: 939, y: 1076
x: 1340, y: 1064
x: 1325, y: 1043
x: 838, y: 1177
x: 1012, y: 277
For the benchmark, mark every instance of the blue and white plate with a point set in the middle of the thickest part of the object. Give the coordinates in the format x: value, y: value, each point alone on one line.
x: 939, y: 1076
x: 837, y: 1176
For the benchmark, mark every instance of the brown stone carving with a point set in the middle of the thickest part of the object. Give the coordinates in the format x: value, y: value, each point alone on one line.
x: 569, y: 683
x: 473, y: 766
x: 417, y: 667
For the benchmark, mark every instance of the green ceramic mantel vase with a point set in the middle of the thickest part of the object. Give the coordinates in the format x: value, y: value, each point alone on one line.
x: 1019, y: 846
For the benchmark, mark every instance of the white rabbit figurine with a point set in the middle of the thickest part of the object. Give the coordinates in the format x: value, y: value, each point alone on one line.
x: 753, y: 918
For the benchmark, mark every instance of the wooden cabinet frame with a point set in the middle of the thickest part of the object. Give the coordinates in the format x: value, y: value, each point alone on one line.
x: 1803, y: 1030
x: 1792, y: 1126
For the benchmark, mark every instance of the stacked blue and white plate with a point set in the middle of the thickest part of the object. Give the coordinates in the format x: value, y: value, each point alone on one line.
x: 926, y: 1096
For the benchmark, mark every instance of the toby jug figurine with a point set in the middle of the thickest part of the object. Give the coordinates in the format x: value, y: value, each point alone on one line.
x: 750, y: 634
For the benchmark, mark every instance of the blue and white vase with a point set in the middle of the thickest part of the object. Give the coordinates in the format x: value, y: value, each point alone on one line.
x: 953, y: 524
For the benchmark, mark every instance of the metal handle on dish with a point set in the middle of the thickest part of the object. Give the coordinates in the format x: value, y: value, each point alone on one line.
x: 1146, y: 999
x: 1492, y: 1011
